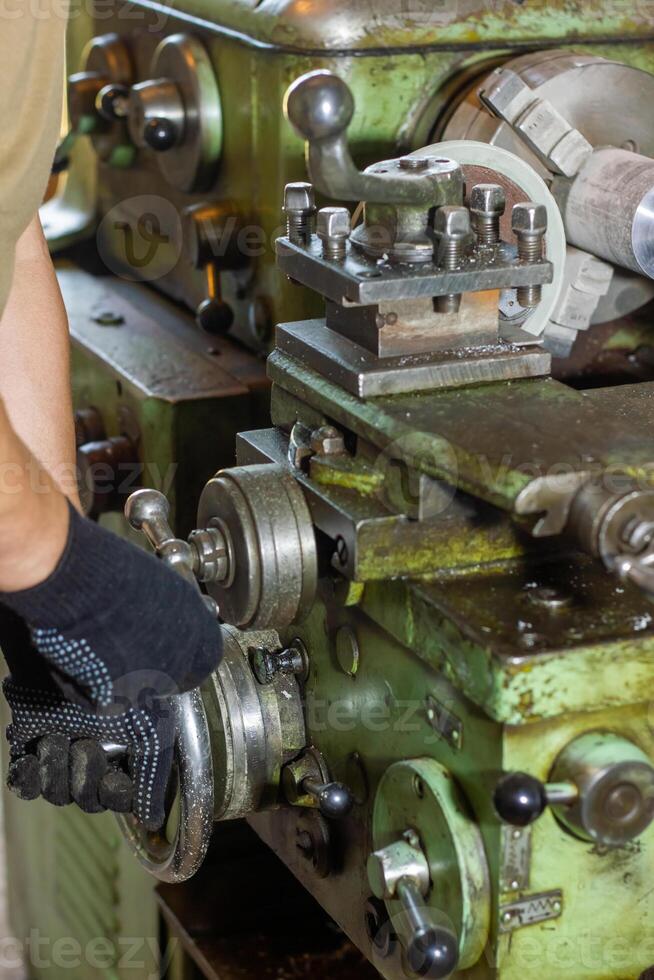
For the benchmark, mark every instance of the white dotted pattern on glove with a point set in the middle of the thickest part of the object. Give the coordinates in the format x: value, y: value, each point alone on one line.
x: 36, y: 713
x: 78, y: 660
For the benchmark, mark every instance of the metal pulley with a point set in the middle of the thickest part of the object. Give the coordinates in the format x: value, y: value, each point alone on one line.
x: 177, y: 113
x: 97, y: 101
x: 254, y: 549
x: 272, y: 572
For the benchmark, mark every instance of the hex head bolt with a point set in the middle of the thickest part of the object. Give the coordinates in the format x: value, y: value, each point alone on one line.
x: 300, y: 210
x: 333, y: 228
x: 487, y: 205
x: 452, y: 226
x: 529, y: 222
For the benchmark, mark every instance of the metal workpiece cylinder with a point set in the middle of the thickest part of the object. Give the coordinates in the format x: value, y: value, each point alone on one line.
x: 608, y: 209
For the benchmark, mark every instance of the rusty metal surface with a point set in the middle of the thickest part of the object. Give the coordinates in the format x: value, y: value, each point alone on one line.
x: 384, y: 28
x: 121, y: 324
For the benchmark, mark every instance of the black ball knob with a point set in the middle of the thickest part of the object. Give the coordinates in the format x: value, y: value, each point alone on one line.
x: 335, y: 801
x: 214, y: 316
x: 433, y: 952
x: 519, y: 799
x: 160, y: 134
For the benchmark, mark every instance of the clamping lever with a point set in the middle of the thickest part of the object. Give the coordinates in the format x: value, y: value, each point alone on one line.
x: 320, y: 106
x: 147, y: 511
x: 400, y: 871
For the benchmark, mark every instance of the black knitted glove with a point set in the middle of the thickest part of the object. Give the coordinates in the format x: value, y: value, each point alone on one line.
x: 111, y: 614
x: 113, y: 632
x: 57, y: 751
x: 64, y: 771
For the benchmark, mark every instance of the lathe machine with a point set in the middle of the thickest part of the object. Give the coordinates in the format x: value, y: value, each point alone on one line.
x: 434, y: 562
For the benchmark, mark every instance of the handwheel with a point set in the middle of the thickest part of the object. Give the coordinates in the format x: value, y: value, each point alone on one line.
x: 175, y: 853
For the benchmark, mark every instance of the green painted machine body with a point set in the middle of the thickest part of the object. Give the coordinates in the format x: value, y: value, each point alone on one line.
x: 494, y: 662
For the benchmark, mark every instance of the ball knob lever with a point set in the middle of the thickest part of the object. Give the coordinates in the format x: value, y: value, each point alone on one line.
x: 432, y: 948
x: 319, y: 105
x: 334, y: 799
x: 400, y: 872
x: 160, y: 134
x: 520, y: 799
x: 148, y: 510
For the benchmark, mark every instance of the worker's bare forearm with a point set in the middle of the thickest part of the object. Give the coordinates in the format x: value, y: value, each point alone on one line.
x: 33, y: 514
x: 34, y: 353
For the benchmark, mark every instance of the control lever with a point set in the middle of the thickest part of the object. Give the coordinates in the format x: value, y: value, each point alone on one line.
x: 400, y: 871
x: 306, y: 782
x: 520, y: 799
x: 601, y: 790
x: 147, y: 511
x: 334, y: 800
x: 320, y: 106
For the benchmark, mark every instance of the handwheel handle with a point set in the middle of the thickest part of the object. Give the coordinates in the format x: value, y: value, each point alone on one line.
x: 520, y: 799
x: 432, y: 949
x: 179, y: 859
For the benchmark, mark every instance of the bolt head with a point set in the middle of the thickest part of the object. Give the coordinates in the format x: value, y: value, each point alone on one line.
x: 299, y: 198
x: 452, y: 222
x: 529, y: 218
x: 327, y: 441
x: 333, y: 223
x: 487, y: 199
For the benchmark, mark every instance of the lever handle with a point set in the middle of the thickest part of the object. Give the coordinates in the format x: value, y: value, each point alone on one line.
x: 320, y: 106
x: 334, y: 799
x: 147, y: 511
x: 160, y: 134
x: 520, y: 799
x: 432, y: 949
x: 401, y: 871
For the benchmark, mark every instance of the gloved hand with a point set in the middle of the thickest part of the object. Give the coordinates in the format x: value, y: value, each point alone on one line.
x: 64, y: 771
x: 111, y: 633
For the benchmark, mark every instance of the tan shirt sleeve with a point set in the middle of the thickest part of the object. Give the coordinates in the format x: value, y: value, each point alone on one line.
x: 32, y: 36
